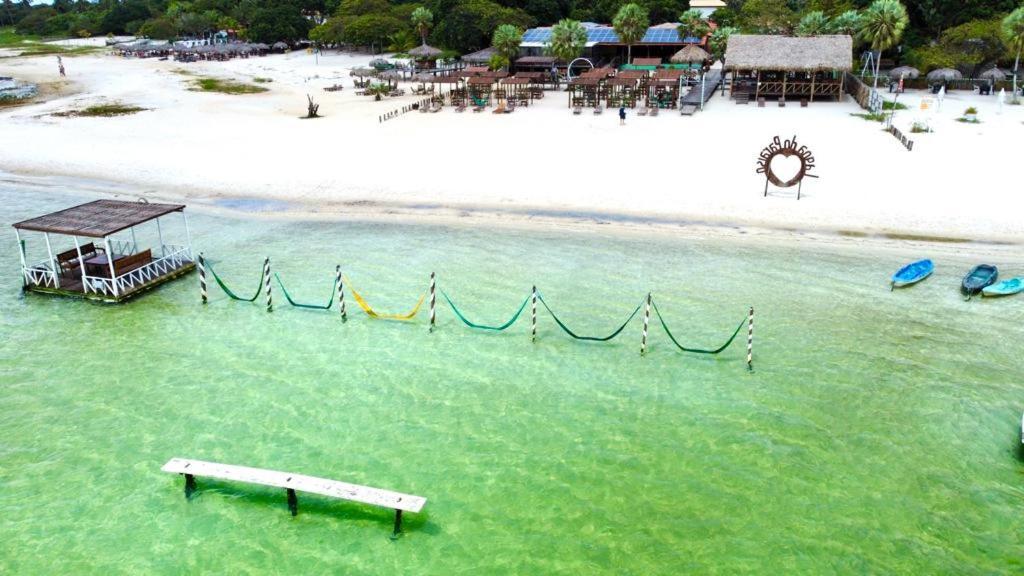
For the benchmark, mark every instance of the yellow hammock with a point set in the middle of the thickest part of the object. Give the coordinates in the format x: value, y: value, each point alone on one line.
x: 374, y: 314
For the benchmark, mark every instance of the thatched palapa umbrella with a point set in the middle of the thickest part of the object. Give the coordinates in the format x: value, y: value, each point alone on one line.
x: 690, y: 54
x: 908, y: 72
x: 944, y: 75
x: 995, y: 74
x: 390, y: 75
x: 425, y: 54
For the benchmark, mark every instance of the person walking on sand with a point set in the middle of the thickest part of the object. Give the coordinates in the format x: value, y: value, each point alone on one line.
x: 622, y: 115
x: 60, y: 66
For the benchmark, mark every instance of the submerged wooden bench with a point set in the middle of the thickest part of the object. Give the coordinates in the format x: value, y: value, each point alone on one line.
x: 291, y: 482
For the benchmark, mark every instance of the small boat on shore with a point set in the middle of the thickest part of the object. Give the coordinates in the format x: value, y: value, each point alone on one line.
x: 979, y: 278
x: 1005, y: 288
x: 912, y: 273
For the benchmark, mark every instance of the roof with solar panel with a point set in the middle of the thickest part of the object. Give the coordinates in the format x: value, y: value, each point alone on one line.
x: 603, y: 34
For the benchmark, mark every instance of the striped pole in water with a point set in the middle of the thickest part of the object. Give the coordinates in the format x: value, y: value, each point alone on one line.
x: 750, y: 340
x: 202, y: 277
x: 432, y: 300
x: 341, y: 296
x: 533, y: 316
x: 266, y: 280
x: 647, y: 320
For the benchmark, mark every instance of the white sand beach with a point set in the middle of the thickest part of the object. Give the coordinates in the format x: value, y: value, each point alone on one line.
x: 961, y: 181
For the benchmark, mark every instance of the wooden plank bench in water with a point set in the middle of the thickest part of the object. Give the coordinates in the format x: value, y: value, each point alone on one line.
x: 296, y: 482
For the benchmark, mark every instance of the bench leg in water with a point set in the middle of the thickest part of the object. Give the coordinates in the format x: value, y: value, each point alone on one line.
x: 398, y: 524
x: 190, y: 485
x: 293, y: 502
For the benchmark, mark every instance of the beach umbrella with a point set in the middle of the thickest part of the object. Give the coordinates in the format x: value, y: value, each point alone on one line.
x: 944, y: 75
x: 908, y: 72
x: 363, y: 72
x: 995, y: 74
x: 280, y: 45
x: 690, y: 54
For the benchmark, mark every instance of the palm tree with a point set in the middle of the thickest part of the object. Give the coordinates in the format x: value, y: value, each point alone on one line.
x: 692, y: 24
x: 422, y: 20
x: 813, y: 24
x: 849, y: 23
x: 506, y: 41
x: 631, y: 25
x: 884, y: 22
x: 1013, y: 32
x: 719, y: 41
x: 568, y: 39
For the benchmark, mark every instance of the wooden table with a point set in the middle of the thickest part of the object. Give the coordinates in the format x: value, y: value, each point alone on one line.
x: 99, y: 265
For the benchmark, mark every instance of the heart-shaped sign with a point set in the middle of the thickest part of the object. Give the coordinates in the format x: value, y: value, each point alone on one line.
x: 785, y: 168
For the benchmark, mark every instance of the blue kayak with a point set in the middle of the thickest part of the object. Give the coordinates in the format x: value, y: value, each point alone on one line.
x: 1004, y: 288
x: 912, y: 273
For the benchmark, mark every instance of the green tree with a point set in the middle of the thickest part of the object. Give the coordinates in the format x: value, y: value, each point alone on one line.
x: 422, y: 20
x: 497, y: 62
x: 692, y: 24
x: 276, y: 20
x: 506, y: 41
x: 1013, y: 34
x: 719, y: 41
x: 568, y: 39
x: 631, y: 24
x: 469, y: 24
x: 767, y: 16
x: 848, y: 23
x: 883, y: 26
x: 813, y: 24
x: 158, y: 28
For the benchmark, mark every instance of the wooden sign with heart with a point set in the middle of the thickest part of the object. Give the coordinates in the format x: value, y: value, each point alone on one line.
x: 789, y: 159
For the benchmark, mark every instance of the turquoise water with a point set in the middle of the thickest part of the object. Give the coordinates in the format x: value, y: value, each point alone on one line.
x: 879, y: 432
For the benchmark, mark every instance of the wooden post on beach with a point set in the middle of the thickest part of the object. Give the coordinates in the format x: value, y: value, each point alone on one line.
x: 533, y: 315
x: 202, y: 277
x: 266, y: 280
x: 647, y: 320
x: 433, y: 300
x: 750, y: 340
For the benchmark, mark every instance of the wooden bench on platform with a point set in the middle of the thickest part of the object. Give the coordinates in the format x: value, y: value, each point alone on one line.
x: 296, y: 482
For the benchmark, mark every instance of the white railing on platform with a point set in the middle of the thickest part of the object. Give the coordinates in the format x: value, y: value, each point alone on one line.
x: 99, y: 285
x: 122, y: 246
x: 155, y: 269
x: 41, y: 275
x: 168, y: 249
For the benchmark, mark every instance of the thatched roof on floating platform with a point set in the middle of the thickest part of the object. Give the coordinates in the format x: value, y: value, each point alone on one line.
x: 690, y: 54
x: 98, y: 219
x: 480, y: 56
x: 424, y: 52
x: 787, y: 53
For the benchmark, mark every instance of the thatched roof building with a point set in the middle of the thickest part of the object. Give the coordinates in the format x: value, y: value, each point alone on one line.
x: 479, y: 58
x: 789, y: 54
x: 691, y: 54
x: 785, y: 67
x: 424, y: 52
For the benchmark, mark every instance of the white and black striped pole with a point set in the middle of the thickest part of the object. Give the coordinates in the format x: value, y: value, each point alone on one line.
x: 647, y: 319
x: 266, y: 280
x: 341, y: 297
x: 433, y: 300
x: 202, y: 277
x: 750, y: 340
x: 533, y: 315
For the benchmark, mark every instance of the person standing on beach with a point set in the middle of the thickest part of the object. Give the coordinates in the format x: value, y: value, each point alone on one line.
x: 60, y: 66
x: 622, y: 115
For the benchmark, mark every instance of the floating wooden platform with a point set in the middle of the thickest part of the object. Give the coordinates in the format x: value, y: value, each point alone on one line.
x: 296, y: 482
x: 71, y: 286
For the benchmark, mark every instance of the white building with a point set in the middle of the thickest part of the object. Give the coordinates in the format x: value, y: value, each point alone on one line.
x: 707, y: 7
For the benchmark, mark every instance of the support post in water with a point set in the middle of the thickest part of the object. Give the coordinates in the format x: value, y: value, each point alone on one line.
x: 433, y: 300
x: 341, y: 292
x: 750, y: 340
x: 202, y: 277
x: 266, y: 280
x: 647, y: 320
x: 293, y: 502
x: 190, y: 485
x: 533, y: 315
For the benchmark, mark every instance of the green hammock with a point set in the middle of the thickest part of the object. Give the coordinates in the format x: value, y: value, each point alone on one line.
x: 695, y: 350
x: 482, y: 326
x: 288, y: 297
x: 228, y: 291
x: 589, y: 338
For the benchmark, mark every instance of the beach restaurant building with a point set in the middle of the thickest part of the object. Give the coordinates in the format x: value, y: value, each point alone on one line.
x: 603, y: 46
x: 785, y: 67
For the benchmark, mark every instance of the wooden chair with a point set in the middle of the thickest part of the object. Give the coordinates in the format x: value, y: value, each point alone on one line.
x: 68, y: 261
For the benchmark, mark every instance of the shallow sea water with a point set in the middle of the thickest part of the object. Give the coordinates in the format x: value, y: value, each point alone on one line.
x: 879, y: 432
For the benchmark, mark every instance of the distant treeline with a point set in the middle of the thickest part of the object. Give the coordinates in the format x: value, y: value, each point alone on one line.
x: 939, y: 32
